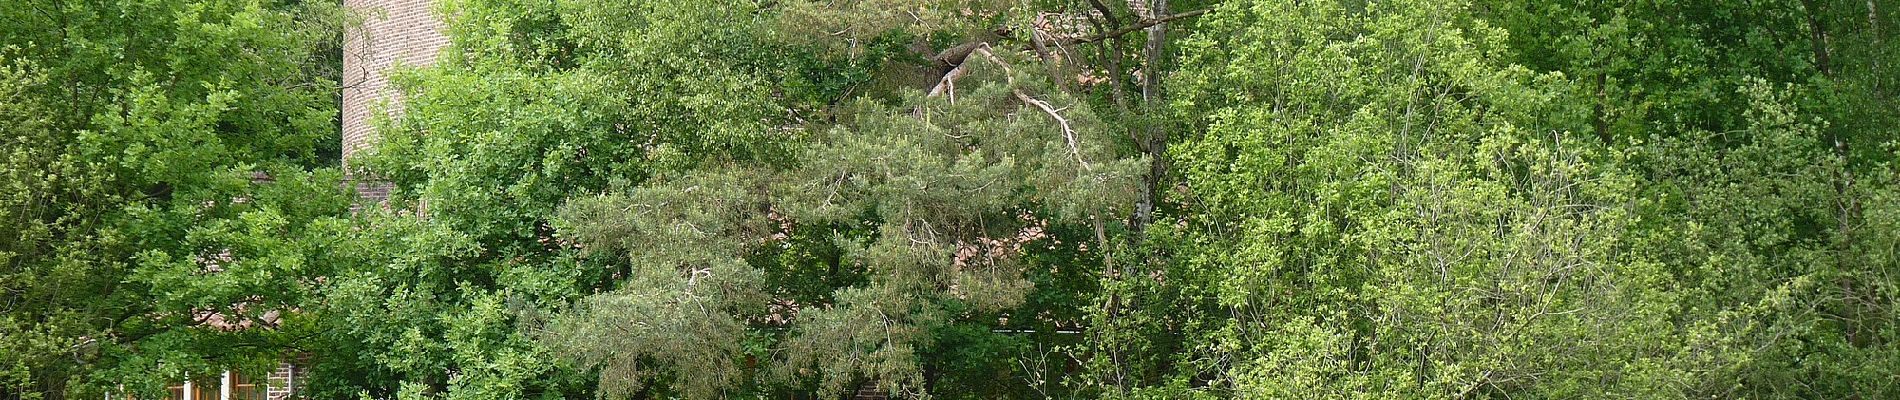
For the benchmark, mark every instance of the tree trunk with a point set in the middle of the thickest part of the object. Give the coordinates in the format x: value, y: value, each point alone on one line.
x: 1156, y: 140
x: 1818, y: 35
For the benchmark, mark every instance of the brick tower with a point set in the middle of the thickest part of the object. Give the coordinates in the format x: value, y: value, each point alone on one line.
x: 393, y: 32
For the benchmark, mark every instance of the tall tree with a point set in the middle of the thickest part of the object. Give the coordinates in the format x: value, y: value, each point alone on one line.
x: 165, y: 164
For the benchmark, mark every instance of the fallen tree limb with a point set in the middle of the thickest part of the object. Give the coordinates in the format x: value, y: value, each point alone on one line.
x: 948, y: 84
x: 954, y: 55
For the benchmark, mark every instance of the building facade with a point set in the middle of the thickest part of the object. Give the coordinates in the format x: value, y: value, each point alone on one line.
x: 392, y: 34
x: 279, y: 384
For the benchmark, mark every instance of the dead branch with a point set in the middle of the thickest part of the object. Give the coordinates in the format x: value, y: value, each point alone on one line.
x: 947, y: 86
x: 1068, y: 133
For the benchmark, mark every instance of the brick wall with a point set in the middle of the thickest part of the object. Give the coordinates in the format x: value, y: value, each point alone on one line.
x: 393, y: 32
x: 282, y: 382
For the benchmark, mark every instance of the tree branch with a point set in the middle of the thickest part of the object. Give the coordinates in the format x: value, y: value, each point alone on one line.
x: 1009, y: 78
x: 954, y: 55
x: 948, y: 86
x: 1144, y: 24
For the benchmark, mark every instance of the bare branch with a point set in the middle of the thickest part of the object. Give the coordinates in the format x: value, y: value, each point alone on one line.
x: 947, y: 86
x: 1068, y: 133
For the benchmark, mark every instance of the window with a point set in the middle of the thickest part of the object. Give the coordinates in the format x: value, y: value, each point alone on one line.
x: 243, y: 387
x: 246, y: 387
x: 205, y: 390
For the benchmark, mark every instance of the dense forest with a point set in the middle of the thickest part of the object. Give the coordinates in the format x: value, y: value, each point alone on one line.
x: 962, y: 199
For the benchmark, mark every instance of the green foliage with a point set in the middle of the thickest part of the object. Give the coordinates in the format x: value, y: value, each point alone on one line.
x: 535, y: 103
x: 939, y: 209
x: 1395, y: 215
x: 164, y: 161
x: 963, y: 199
x: 1383, y: 207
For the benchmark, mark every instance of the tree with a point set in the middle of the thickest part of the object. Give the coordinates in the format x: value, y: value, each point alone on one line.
x: 165, y: 162
x: 963, y: 199
x: 720, y: 116
x: 1381, y: 203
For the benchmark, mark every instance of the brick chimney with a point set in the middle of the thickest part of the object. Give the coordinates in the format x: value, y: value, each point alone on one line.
x: 393, y: 32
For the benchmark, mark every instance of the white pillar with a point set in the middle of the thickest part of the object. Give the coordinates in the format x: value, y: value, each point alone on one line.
x: 224, y: 389
x: 188, y: 393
